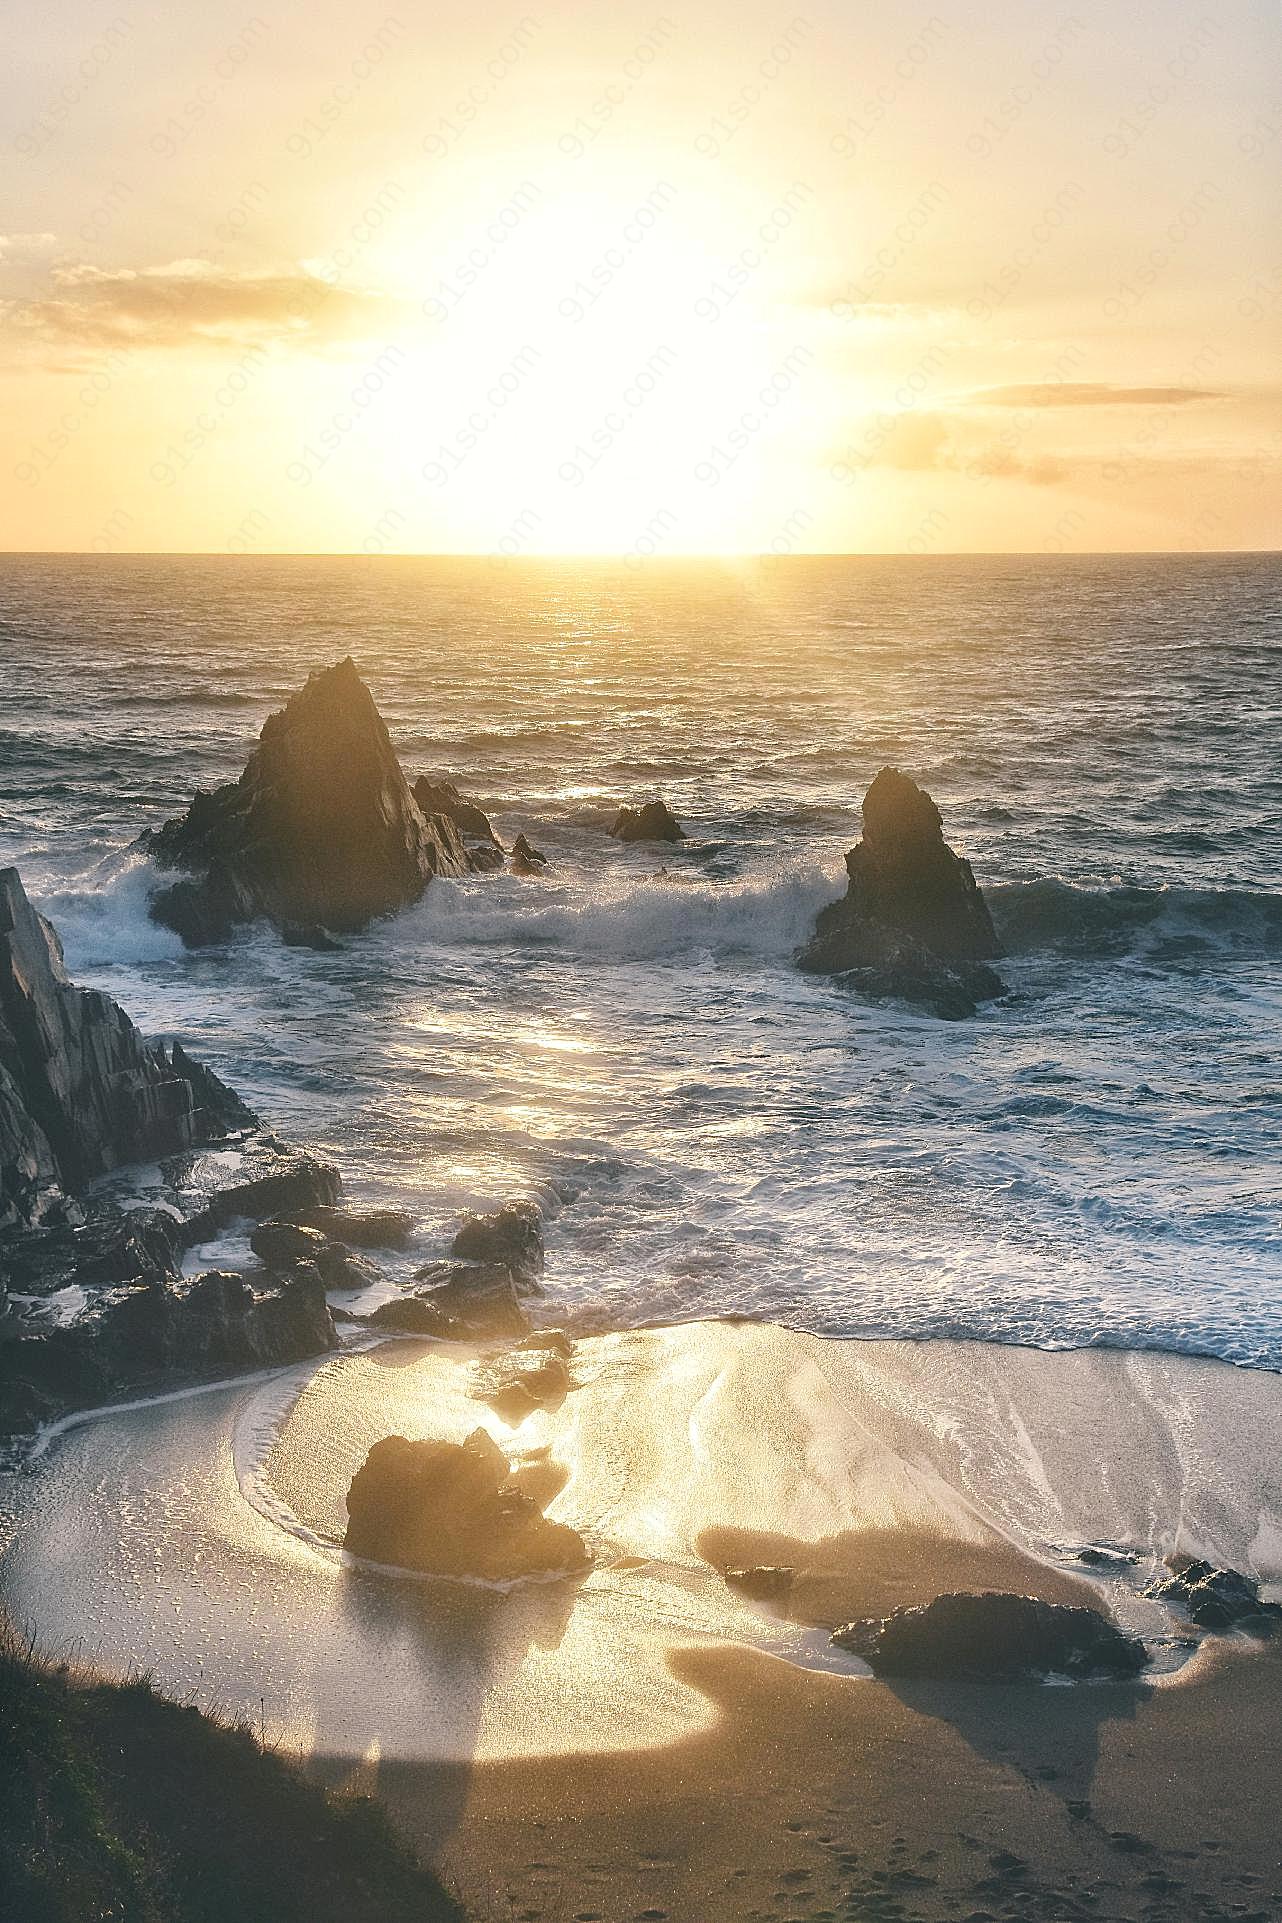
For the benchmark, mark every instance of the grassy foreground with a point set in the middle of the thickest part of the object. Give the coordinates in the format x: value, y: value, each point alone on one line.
x: 117, y: 1806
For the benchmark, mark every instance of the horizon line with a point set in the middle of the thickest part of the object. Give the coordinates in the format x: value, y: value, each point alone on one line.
x: 640, y: 561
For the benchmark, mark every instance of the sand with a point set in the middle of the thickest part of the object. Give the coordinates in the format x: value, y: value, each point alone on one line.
x: 649, y: 1742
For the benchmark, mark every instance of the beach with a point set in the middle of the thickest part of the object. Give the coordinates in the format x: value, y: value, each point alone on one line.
x: 649, y: 1740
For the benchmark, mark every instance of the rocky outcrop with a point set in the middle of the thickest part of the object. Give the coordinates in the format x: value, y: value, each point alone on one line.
x: 527, y: 860
x: 913, y: 924
x: 360, y: 1228
x: 156, y: 1334
x: 451, y: 1509
x: 320, y: 833
x: 513, y: 1236
x: 282, y: 1246
x: 994, y: 1638
x: 653, y: 821
x: 442, y: 799
x: 80, y: 1090
x: 1216, y: 1598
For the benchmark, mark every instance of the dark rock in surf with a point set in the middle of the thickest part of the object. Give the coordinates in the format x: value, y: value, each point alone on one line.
x: 994, y: 1638
x: 442, y: 799
x: 271, y: 1179
x: 1215, y: 1598
x: 360, y: 1228
x: 513, y: 1236
x: 477, y: 1299
x: 153, y: 1335
x: 81, y: 1092
x: 527, y: 860
x: 281, y: 1245
x: 411, y: 1315
x: 451, y: 1509
x: 653, y: 821
x: 912, y: 924
x: 320, y: 834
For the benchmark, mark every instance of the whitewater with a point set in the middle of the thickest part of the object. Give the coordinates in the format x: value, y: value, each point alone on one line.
x: 1091, y: 1162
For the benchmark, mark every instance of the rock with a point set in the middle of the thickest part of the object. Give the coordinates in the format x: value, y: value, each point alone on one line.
x: 1106, y: 1555
x: 478, y: 1298
x: 360, y: 1228
x: 513, y: 1235
x: 159, y: 1333
x: 653, y: 821
x: 81, y: 1092
x: 280, y: 1245
x: 912, y: 924
x: 1215, y: 1598
x: 443, y: 800
x: 450, y: 1509
x: 994, y: 1638
x: 272, y: 1180
x: 555, y: 1340
x: 411, y: 1315
x: 527, y: 860
x: 296, y: 935
x: 320, y: 834
x: 764, y: 1582
x: 515, y: 1385
x: 112, y: 1246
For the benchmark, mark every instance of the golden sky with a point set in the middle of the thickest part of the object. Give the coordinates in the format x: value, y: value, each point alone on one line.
x: 724, y: 278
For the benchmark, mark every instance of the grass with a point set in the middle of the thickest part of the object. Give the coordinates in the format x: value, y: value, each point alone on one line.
x: 118, y: 1806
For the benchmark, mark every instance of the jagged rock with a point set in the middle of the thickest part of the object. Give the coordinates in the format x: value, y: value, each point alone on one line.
x: 764, y: 1582
x: 527, y: 860
x: 476, y: 1298
x: 112, y: 1246
x: 515, y: 1385
x: 912, y: 924
x: 81, y: 1092
x: 442, y: 799
x: 360, y: 1228
x: 994, y: 1638
x: 160, y: 1332
x: 653, y: 821
x: 281, y: 1245
x: 450, y: 1509
x: 320, y: 833
x: 1215, y: 1598
x: 513, y: 1235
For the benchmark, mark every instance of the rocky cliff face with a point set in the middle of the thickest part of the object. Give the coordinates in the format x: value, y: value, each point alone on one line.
x: 321, y: 832
x: 913, y: 924
x: 80, y: 1090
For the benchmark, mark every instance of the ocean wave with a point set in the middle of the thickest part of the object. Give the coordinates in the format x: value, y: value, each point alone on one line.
x: 101, y: 917
x: 1051, y: 913
x: 633, y: 918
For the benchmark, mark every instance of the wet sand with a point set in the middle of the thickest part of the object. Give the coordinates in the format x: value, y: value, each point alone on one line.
x: 649, y: 1742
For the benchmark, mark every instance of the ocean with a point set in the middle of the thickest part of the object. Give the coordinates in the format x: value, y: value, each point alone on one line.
x: 709, y: 1132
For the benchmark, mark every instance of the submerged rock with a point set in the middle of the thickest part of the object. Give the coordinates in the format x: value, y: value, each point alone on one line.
x: 527, y: 860
x: 443, y: 800
x: 1215, y: 1598
x: 320, y: 834
x: 994, y: 1638
x: 653, y: 821
x: 912, y: 924
x: 81, y: 1092
x: 513, y: 1235
x: 451, y: 1509
x: 517, y: 1384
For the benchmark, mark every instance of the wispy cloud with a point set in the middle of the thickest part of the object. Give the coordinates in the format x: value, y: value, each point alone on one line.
x: 186, y: 302
x: 930, y: 444
x: 1090, y: 394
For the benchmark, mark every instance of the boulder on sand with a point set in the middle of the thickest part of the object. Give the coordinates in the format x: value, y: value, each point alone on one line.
x: 451, y: 1509
x: 912, y: 924
x: 994, y: 1638
x: 653, y: 821
x: 320, y: 833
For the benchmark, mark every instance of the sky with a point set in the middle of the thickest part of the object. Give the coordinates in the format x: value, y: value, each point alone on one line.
x: 589, y: 278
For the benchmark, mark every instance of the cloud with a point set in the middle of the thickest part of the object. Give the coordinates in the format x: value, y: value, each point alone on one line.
x: 1090, y: 394
x: 929, y: 444
x: 189, y: 302
x: 18, y: 245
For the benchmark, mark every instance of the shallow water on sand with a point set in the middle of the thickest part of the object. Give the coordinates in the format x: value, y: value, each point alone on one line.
x: 628, y: 1041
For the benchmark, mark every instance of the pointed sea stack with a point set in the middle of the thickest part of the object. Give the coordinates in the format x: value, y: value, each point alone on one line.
x: 81, y: 1092
x: 320, y: 833
x: 913, y: 924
